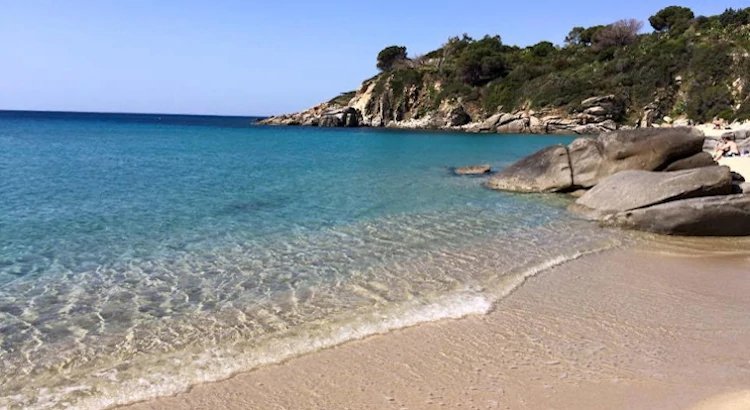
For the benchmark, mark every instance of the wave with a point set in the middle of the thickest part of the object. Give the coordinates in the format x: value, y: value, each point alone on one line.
x: 224, y: 365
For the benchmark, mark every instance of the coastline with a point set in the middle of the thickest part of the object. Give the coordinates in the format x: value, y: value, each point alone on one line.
x: 657, y: 328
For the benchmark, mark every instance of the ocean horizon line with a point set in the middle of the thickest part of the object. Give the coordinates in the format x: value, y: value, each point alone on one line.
x: 17, y: 111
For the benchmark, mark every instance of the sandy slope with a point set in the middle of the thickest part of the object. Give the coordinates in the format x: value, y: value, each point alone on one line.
x: 618, y: 330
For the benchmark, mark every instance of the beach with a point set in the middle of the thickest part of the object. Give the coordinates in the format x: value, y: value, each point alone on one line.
x: 202, y: 264
x: 661, y: 326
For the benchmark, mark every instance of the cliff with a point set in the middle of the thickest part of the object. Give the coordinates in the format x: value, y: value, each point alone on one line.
x: 688, y: 70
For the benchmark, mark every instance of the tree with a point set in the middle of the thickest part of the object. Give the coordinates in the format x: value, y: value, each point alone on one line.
x: 588, y: 35
x: 674, y: 19
x: 731, y: 17
x: 390, y: 57
x: 543, y: 49
x: 481, y: 61
x: 574, y: 37
x: 618, y: 34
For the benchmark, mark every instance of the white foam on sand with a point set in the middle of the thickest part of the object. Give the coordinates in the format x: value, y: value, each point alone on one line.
x: 216, y: 365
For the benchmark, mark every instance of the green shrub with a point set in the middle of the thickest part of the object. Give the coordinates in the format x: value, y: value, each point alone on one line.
x: 704, y: 104
x: 390, y: 57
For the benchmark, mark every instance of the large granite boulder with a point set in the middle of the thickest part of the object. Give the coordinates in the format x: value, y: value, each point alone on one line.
x: 651, y: 149
x: 547, y: 170
x: 727, y: 215
x: 516, y: 126
x: 591, y: 160
x: 630, y: 190
x: 346, y: 117
x: 699, y: 160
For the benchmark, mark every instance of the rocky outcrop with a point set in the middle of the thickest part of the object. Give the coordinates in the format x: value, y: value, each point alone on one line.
x: 371, y: 106
x: 474, y: 170
x: 630, y: 184
x: 547, y: 170
x: 629, y: 190
x: 457, y: 117
x: 589, y: 161
x: 726, y: 215
x: 345, y: 117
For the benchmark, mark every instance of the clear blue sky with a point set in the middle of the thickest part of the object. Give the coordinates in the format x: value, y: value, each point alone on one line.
x: 251, y: 57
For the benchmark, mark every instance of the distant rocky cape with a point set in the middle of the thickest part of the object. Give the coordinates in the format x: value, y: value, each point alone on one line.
x: 364, y: 111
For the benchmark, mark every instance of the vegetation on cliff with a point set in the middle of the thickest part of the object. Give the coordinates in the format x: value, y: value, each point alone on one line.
x: 688, y: 66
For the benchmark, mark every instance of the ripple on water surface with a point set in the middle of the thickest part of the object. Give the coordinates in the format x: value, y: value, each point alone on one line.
x: 139, y: 258
x: 138, y: 328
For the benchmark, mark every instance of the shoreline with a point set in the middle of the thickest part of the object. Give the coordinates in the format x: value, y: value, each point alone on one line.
x: 560, y: 331
x: 707, y: 129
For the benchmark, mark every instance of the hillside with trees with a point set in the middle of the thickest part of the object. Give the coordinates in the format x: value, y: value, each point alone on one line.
x: 677, y: 65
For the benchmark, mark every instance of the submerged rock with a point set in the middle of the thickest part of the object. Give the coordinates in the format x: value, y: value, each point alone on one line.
x: 474, y: 170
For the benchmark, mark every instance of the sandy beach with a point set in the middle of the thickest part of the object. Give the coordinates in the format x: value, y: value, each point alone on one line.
x: 663, y: 328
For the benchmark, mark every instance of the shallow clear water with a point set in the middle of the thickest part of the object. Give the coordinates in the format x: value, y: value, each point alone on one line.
x: 142, y: 254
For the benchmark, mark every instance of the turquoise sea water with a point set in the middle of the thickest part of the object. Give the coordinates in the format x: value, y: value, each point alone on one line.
x: 141, y: 254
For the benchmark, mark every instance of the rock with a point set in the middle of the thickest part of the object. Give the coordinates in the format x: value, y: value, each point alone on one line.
x: 588, y: 129
x: 330, y: 121
x: 647, y: 149
x: 608, y: 125
x: 578, y: 193
x: 474, y: 170
x: 488, y: 125
x: 595, y: 101
x: 596, y: 111
x: 506, y: 118
x: 457, y: 117
x: 744, y: 187
x: 668, y: 119
x: 726, y: 215
x: 586, y: 158
x: 514, y: 127
x: 738, y: 135
x: 682, y: 122
x: 699, y: 160
x: 536, y: 126
x: 593, y: 160
x: 547, y: 170
x: 630, y: 190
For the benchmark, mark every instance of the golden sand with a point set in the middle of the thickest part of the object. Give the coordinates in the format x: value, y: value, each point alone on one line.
x: 617, y: 330
x: 740, y: 165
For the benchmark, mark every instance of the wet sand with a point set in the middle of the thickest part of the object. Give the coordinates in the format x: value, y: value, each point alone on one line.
x: 623, y: 329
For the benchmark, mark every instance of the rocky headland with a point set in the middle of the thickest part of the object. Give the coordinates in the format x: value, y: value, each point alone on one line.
x: 688, y: 71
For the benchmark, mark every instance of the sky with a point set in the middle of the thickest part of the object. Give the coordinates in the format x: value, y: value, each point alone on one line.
x: 248, y: 57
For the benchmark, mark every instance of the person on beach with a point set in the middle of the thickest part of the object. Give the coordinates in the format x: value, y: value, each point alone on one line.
x: 726, y: 148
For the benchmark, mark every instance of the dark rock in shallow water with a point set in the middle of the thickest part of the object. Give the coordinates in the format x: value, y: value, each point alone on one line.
x: 699, y: 160
x: 727, y: 215
x: 474, y: 170
x: 547, y: 170
x: 630, y: 190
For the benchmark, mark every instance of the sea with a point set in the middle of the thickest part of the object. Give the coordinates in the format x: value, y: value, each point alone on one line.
x: 143, y: 254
